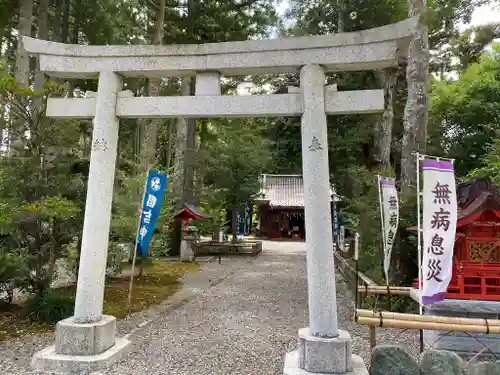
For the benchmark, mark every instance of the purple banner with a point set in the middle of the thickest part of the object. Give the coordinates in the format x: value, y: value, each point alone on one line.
x: 439, y: 165
x: 387, y: 181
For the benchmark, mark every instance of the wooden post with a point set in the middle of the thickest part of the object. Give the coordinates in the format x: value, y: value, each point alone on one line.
x: 421, y: 341
x: 373, y: 337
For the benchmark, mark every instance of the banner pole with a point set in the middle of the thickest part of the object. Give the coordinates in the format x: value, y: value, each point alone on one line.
x: 356, y: 259
x: 419, y: 236
x: 382, y: 224
x: 419, y: 249
x: 129, y: 299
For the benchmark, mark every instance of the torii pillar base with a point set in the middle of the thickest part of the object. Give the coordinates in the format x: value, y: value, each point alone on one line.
x: 82, y: 347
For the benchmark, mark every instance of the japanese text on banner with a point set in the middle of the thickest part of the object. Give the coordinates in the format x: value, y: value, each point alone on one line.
x: 155, y: 187
x: 390, y: 206
x: 439, y: 227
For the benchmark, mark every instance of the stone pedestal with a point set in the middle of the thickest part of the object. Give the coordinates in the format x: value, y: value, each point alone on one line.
x: 291, y: 367
x: 86, y: 341
x: 465, y: 344
x: 82, y: 347
x: 324, y: 356
x: 187, y: 249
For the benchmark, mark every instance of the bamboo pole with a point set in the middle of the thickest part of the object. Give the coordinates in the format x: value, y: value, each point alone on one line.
x: 408, y: 324
x: 343, y: 264
x: 384, y: 291
x: 391, y: 288
x: 449, y: 320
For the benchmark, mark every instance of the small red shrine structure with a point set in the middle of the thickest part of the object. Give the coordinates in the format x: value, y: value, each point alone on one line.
x: 188, y: 213
x: 476, y: 265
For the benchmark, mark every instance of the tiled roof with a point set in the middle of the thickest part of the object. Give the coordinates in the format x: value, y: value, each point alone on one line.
x: 282, y: 191
x: 476, y: 195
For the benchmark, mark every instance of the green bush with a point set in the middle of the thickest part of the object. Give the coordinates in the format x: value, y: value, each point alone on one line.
x: 116, y: 255
x: 49, y: 308
x: 9, y: 276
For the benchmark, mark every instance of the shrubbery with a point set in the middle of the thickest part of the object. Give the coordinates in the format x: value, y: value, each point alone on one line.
x: 49, y: 308
x: 9, y: 276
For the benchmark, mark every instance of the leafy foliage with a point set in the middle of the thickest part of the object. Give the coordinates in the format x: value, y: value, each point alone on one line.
x: 41, y: 210
x: 233, y: 162
x: 464, y: 113
x: 10, y: 271
x: 49, y: 308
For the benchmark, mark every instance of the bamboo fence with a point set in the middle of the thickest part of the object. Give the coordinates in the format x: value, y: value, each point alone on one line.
x: 384, y: 290
x: 429, y: 322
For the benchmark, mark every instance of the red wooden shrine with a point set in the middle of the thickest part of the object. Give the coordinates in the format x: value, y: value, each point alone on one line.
x: 476, y: 265
x: 189, y: 213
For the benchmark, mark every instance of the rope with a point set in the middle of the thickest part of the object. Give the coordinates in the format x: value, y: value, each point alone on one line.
x: 487, y: 326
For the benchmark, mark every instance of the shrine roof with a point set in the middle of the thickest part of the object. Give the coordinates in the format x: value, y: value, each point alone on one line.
x: 191, y: 211
x: 283, y: 191
x: 476, y: 196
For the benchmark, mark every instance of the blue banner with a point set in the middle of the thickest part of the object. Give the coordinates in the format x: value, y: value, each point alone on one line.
x: 335, y: 220
x: 156, y: 185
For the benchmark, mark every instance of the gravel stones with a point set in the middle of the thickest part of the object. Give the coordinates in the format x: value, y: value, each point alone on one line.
x: 239, y: 317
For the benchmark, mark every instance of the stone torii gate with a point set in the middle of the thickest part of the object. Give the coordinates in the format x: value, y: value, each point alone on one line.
x: 87, y: 341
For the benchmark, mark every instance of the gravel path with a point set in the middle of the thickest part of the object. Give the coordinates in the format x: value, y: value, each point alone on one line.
x: 243, y: 323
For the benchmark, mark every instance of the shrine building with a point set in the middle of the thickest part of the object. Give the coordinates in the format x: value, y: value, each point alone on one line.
x: 474, y: 290
x: 476, y: 264
x: 280, y: 206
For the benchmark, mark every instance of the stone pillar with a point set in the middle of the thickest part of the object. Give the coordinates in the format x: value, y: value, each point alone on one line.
x: 207, y: 84
x: 92, y: 272
x: 86, y: 341
x: 318, y: 222
x: 323, y: 348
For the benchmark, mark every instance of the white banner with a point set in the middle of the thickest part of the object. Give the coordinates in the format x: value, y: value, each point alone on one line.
x: 342, y: 238
x: 390, y: 212
x: 439, y: 226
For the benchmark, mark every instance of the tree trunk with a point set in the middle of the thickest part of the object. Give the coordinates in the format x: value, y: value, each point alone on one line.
x: 341, y: 5
x: 56, y: 36
x: 178, y: 174
x: 43, y: 34
x: 170, y: 148
x: 234, y: 223
x: 150, y: 127
x: 381, y: 152
x: 189, y: 194
x: 24, y: 29
x: 65, y: 21
x: 22, y: 75
x: 199, y: 175
x: 178, y: 181
x: 74, y: 40
x: 61, y: 27
x: 415, y: 115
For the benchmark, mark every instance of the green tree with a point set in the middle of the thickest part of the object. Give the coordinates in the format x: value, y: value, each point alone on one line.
x: 464, y: 113
x: 234, y: 162
x: 41, y: 192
